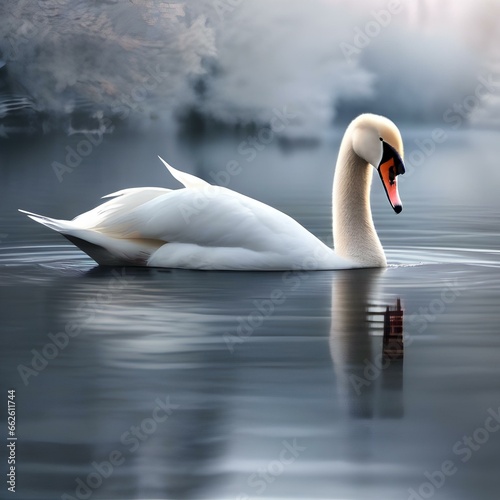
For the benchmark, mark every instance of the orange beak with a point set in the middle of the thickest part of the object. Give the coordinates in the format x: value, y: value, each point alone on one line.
x: 390, y: 167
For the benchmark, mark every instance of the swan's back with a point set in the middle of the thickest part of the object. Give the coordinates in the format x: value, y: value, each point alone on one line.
x: 205, y: 227
x: 199, y: 226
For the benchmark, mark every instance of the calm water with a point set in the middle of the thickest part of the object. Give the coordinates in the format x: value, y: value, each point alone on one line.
x: 180, y: 384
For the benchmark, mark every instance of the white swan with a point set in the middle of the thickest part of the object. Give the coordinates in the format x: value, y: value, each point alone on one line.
x: 210, y: 227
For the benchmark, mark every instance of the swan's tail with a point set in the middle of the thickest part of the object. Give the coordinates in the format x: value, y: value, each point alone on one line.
x: 104, y: 249
x: 57, y: 225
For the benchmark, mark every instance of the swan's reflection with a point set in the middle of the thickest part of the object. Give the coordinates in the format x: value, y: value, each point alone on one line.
x: 362, y: 364
x: 393, y: 345
x: 154, y: 333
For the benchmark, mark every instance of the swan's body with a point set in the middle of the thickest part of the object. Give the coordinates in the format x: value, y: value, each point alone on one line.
x: 210, y: 227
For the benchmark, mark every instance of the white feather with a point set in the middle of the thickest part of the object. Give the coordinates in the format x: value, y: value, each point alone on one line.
x: 202, y: 226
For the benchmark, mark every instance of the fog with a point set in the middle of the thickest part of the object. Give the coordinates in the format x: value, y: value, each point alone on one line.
x: 233, y: 62
x: 104, y: 86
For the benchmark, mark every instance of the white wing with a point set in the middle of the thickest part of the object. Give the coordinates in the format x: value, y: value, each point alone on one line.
x: 197, y: 227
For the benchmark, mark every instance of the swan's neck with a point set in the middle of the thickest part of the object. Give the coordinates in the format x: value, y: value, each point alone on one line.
x: 354, y: 234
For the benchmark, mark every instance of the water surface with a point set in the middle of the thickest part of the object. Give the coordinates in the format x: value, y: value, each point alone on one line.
x: 254, y: 385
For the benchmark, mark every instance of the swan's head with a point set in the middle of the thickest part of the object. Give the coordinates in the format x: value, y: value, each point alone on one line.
x: 378, y: 141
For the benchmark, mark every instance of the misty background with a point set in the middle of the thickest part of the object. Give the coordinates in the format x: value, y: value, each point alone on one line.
x: 200, y: 66
x: 254, y: 95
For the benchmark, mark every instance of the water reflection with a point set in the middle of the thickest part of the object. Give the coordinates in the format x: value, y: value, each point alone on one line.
x: 149, y: 334
x: 152, y: 338
x: 393, y: 345
x: 146, y: 334
x: 361, y: 364
x: 139, y: 336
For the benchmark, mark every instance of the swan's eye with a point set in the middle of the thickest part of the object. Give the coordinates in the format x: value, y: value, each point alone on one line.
x: 381, y: 139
